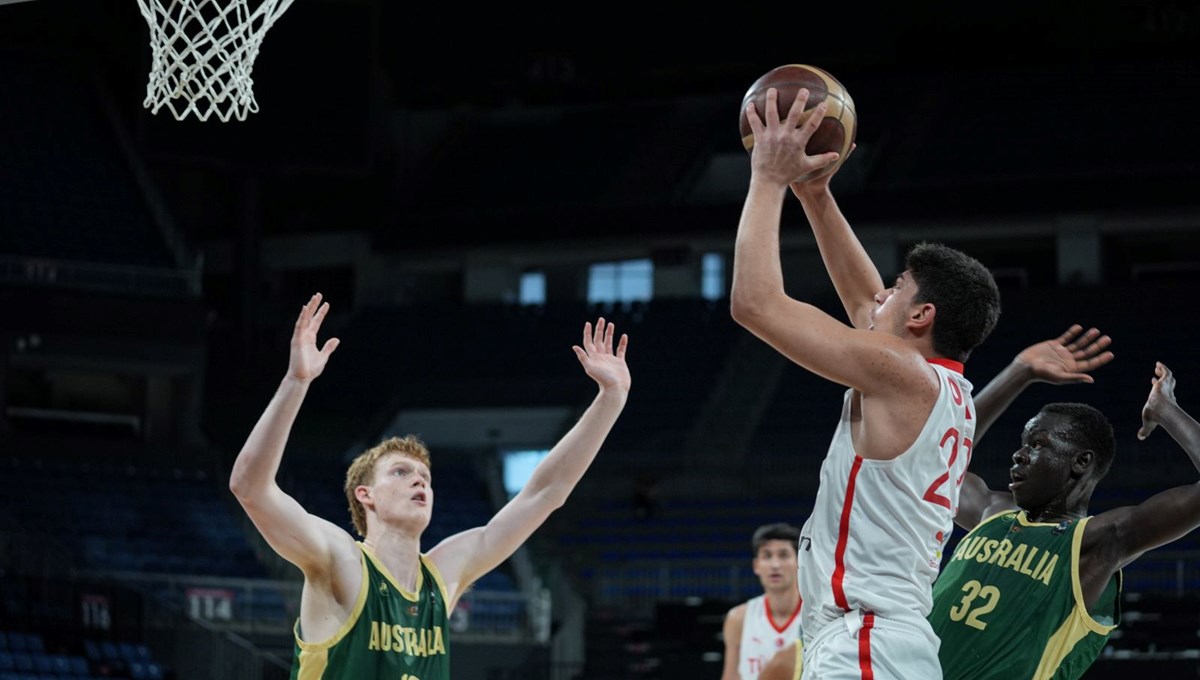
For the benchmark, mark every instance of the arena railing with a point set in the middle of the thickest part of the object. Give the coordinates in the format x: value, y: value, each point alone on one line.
x: 50, y: 272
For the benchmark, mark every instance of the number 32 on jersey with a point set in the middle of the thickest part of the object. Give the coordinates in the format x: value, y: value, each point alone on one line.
x: 978, y: 600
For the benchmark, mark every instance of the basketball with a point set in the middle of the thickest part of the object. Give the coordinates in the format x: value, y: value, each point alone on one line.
x: 836, y: 132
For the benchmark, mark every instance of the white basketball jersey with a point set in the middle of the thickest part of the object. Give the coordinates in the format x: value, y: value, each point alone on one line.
x: 761, y: 638
x: 875, y: 537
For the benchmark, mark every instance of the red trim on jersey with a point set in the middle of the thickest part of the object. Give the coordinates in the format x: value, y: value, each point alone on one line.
x: 780, y: 629
x: 839, y: 555
x: 864, y: 647
x: 955, y: 366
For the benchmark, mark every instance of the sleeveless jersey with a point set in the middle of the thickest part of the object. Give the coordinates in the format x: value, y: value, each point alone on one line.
x: 761, y: 638
x: 1008, y: 603
x: 875, y: 537
x: 392, y: 634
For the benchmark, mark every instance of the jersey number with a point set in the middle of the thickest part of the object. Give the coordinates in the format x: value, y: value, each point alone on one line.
x: 989, y: 597
x: 934, y: 493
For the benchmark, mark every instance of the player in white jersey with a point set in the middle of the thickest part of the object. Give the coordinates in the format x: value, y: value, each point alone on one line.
x: 889, y: 483
x: 759, y: 627
x: 873, y: 543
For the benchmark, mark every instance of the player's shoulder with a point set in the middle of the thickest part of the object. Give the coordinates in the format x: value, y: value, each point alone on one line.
x: 738, y: 611
x: 1102, y: 528
x: 339, y: 552
x: 913, y: 367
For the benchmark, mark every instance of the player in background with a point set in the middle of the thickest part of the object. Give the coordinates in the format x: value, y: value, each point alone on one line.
x: 755, y: 629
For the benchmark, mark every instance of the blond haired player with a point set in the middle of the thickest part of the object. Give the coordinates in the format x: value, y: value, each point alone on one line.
x: 377, y: 608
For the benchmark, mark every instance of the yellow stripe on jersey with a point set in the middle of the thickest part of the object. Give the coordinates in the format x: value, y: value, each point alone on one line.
x: 359, y: 603
x: 1077, y: 624
x: 410, y: 595
x: 313, y: 663
x: 437, y: 578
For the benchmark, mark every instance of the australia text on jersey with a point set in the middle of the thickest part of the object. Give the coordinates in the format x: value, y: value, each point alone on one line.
x: 1004, y: 553
x: 406, y: 640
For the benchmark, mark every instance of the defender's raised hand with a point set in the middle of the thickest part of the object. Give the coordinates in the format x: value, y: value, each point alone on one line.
x: 600, y: 360
x: 1162, y: 395
x: 307, y: 362
x: 1069, y: 357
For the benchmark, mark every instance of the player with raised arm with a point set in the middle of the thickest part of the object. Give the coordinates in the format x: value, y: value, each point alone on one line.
x: 378, y: 608
x: 1033, y: 590
x: 871, y: 548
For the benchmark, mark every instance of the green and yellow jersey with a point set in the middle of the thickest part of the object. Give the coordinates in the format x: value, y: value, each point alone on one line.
x: 392, y: 634
x: 1008, y: 604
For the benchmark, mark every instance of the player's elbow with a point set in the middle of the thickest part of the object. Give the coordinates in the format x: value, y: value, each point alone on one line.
x: 542, y: 500
x: 553, y: 499
x: 747, y: 310
x: 237, y: 486
x: 242, y: 486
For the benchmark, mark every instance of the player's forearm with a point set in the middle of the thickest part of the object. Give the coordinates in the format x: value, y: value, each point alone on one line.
x: 757, y: 272
x: 854, y: 275
x: 556, y: 476
x: 1183, y: 428
x: 258, y: 461
x: 998, y: 395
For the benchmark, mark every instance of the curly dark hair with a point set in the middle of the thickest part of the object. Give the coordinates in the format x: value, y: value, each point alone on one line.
x: 962, y: 290
x: 1090, y: 430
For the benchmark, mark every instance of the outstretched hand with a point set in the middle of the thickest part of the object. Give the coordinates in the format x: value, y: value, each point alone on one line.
x: 600, y: 360
x: 307, y: 362
x: 1069, y: 357
x: 1162, y: 394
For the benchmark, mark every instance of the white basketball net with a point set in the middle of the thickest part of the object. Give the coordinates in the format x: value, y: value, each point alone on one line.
x: 202, y: 54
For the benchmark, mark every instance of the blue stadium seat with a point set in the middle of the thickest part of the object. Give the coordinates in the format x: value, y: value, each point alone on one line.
x: 145, y: 670
x: 61, y: 663
x: 43, y: 664
x: 23, y: 662
x: 78, y: 667
x: 109, y: 651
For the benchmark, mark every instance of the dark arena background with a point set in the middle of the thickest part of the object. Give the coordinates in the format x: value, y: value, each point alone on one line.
x: 467, y: 186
